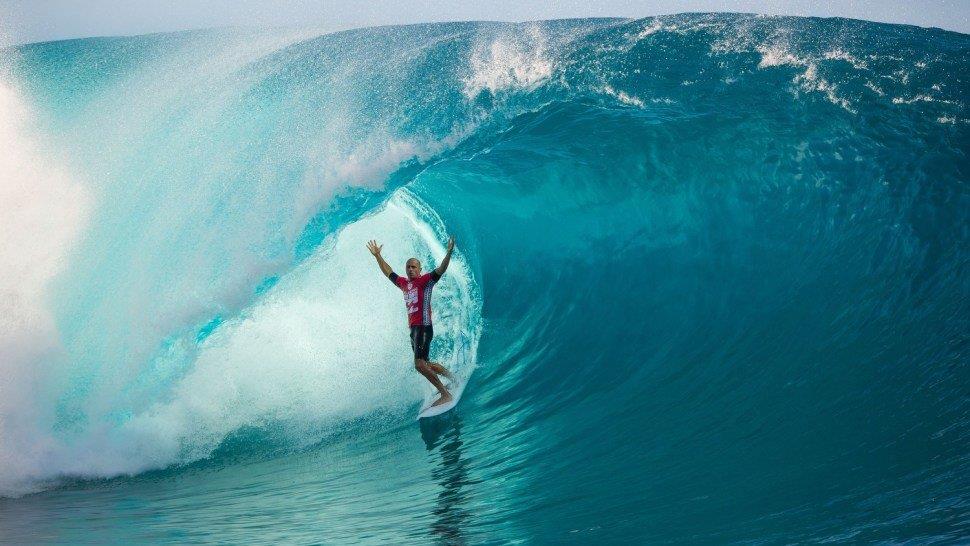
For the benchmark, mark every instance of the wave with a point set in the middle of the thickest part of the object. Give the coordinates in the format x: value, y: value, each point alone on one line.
x: 701, y: 254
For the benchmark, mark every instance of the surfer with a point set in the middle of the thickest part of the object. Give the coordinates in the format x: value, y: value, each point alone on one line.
x: 417, y: 300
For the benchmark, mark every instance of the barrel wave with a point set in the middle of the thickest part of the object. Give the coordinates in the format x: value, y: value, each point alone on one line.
x: 711, y: 283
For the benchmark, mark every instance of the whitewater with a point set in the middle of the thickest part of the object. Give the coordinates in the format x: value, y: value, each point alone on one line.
x: 711, y: 283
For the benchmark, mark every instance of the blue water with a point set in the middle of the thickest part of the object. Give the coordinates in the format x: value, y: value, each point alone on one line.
x: 711, y: 284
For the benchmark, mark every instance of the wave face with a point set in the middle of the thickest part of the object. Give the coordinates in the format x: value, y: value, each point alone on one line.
x: 712, y: 282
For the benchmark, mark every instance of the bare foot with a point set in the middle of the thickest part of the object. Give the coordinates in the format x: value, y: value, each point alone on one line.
x: 445, y: 398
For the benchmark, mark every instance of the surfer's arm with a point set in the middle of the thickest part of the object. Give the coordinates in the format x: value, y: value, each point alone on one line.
x: 443, y: 266
x: 375, y: 250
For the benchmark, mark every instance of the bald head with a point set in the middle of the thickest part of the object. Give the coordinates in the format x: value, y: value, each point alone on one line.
x: 413, y: 268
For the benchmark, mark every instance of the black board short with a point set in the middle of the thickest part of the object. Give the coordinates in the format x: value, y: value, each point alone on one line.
x: 421, y: 340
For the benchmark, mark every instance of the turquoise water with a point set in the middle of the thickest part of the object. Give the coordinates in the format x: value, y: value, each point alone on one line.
x: 711, y: 284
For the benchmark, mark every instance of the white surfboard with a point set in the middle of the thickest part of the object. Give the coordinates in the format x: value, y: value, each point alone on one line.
x: 455, y: 389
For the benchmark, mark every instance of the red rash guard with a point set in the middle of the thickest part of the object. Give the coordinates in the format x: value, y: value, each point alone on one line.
x: 417, y: 296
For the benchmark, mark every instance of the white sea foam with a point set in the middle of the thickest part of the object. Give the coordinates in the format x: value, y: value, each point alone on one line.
x: 842, y: 55
x: 778, y: 55
x: 809, y: 80
x: 520, y: 62
x: 655, y: 26
x: 44, y: 209
x: 911, y: 100
x: 922, y: 97
x: 952, y: 120
x: 901, y: 75
x: 662, y: 24
x: 623, y: 97
x: 876, y: 89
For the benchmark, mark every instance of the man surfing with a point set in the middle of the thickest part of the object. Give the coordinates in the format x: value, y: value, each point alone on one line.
x: 417, y: 300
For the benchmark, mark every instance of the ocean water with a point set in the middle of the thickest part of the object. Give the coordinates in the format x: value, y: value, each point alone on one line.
x: 711, y: 284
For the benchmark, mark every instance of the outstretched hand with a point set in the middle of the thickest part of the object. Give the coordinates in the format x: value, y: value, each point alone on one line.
x: 374, y: 248
x: 451, y: 244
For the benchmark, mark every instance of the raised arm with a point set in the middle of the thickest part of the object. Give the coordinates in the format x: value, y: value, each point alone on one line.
x: 376, y: 251
x: 443, y: 266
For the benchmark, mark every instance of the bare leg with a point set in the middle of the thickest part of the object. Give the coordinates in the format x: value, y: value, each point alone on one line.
x: 441, y: 370
x: 425, y: 369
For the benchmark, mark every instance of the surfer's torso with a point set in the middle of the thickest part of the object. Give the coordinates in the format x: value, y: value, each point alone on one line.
x: 417, y: 296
